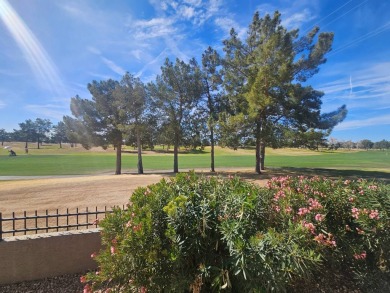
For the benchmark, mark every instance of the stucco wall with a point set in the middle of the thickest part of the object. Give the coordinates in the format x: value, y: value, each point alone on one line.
x: 39, y: 256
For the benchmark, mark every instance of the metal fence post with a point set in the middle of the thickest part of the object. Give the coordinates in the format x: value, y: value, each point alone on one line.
x: 1, y: 226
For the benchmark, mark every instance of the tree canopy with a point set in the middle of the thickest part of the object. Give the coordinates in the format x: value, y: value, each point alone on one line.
x: 264, y: 75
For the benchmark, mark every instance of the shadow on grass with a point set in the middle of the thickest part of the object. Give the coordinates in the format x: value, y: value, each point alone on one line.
x: 288, y: 171
x: 170, y: 151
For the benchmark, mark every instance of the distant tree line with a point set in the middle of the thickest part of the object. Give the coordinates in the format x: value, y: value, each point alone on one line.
x: 254, y: 95
x: 36, y: 131
x: 365, y: 144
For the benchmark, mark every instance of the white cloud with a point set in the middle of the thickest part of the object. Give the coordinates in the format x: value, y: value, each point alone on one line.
x: 109, y: 63
x: 195, y: 3
x: 154, y: 28
x: 2, y: 104
x: 226, y: 24
x: 187, y: 11
x: 114, y: 67
x: 354, y: 124
x: 50, y: 111
x: 370, y: 86
x: 293, y: 16
x: 297, y: 19
x: 94, y: 50
x: 154, y: 64
x: 137, y: 53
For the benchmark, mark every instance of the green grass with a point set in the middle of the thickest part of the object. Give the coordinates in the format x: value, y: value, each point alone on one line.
x: 50, y: 160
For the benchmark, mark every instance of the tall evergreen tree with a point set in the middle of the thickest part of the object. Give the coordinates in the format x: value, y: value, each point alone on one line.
x: 59, y: 135
x: 27, y: 131
x: 133, y: 96
x: 264, y: 73
x: 42, y: 127
x: 99, y: 121
x: 212, y: 82
x: 176, y: 92
x: 3, y: 136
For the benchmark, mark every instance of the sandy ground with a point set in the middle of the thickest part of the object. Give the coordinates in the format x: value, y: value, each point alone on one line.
x: 81, y: 191
x: 70, y: 192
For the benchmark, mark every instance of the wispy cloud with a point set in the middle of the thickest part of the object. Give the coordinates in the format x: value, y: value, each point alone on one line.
x: 50, y: 111
x: 109, y: 63
x: 114, y: 67
x: 226, y: 24
x: 297, y: 19
x: 195, y: 11
x: 371, y: 86
x: 2, y: 104
x: 154, y: 63
x: 153, y: 28
x: 295, y: 15
x: 355, y: 124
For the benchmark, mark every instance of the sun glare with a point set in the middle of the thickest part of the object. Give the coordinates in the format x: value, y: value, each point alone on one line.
x: 43, y: 68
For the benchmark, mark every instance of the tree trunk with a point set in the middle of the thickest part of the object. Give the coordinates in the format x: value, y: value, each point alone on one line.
x: 118, y: 159
x: 38, y: 143
x: 212, y: 169
x: 262, y: 156
x: 26, y: 145
x: 139, y: 165
x: 60, y: 145
x: 176, y: 154
x: 258, y: 147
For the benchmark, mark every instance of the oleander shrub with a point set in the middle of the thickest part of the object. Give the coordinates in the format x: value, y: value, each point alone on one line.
x: 209, y: 234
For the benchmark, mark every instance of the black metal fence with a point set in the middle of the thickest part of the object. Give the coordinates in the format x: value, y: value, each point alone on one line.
x: 50, y: 221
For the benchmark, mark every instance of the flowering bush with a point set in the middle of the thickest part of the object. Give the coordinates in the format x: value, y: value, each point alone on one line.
x: 347, y: 223
x: 204, y: 234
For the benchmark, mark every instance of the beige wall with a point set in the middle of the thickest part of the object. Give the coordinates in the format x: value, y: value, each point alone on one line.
x: 39, y: 256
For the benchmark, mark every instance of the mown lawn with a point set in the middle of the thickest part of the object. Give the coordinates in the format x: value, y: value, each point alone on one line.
x: 49, y: 160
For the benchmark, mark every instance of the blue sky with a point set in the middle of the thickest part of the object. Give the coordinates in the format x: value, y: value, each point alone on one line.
x: 51, y: 50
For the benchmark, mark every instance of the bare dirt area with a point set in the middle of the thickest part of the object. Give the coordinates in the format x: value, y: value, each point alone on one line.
x: 70, y: 192
x: 83, y: 191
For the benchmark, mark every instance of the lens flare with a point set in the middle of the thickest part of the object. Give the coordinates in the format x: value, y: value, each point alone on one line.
x: 43, y: 68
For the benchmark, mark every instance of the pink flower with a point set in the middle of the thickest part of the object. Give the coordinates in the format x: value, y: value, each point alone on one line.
x: 314, y: 204
x: 374, y: 214
x: 351, y: 199
x: 288, y: 210
x: 319, y: 217
x: 143, y: 289
x: 277, y: 208
x: 83, y: 279
x: 112, y: 249
x: 346, y: 182
x: 87, y: 289
x: 355, y: 213
x: 363, y: 255
x: 303, y: 211
x: 128, y: 224
x: 309, y: 226
x: 93, y: 255
x: 373, y: 187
